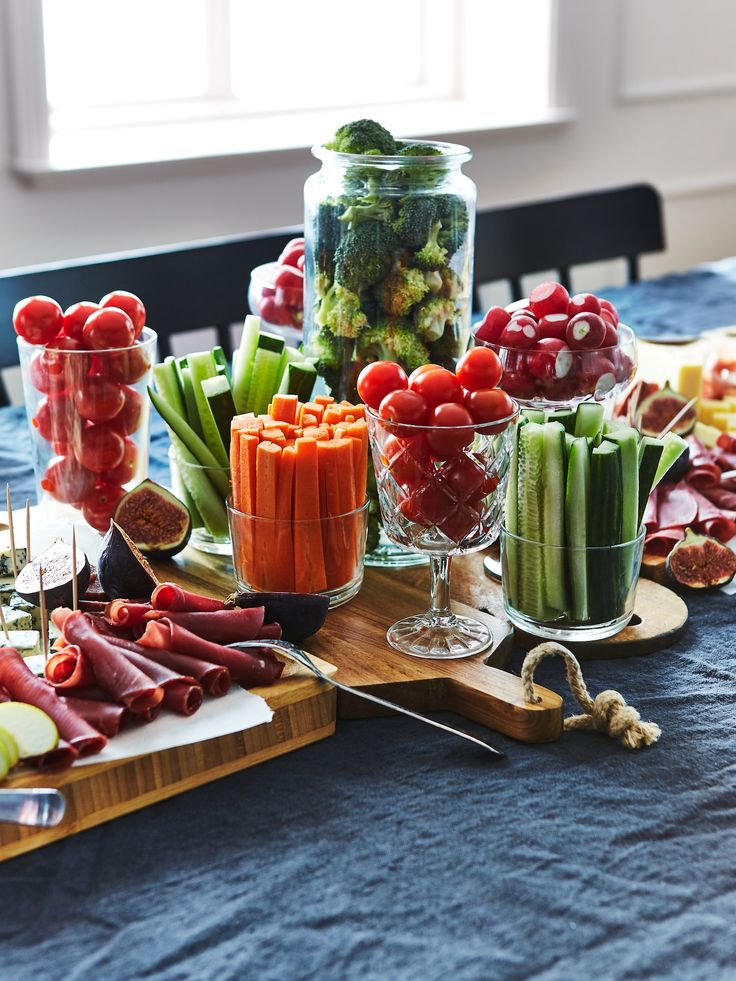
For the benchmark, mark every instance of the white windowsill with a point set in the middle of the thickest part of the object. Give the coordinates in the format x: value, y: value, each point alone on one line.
x: 217, y: 139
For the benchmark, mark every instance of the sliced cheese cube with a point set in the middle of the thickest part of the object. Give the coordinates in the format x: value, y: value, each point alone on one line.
x: 707, y: 408
x: 689, y: 378
x: 725, y: 421
x: 707, y: 435
x: 6, y: 560
x: 17, y: 619
x: 26, y: 642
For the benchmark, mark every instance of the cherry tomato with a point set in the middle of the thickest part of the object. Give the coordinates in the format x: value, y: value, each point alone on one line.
x: 437, y: 386
x: 411, y: 512
x: 407, y: 459
x: 76, y: 316
x: 583, y: 303
x: 67, y: 481
x: 489, y: 405
x: 99, y: 505
x: 99, y: 399
x: 458, y: 523
x: 128, y: 420
x: 54, y: 419
x: 431, y: 502
x: 464, y: 476
x: 403, y: 406
x: 377, y: 380
x: 445, y: 438
x: 108, y: 328
x: 479, y: 368
x: 100, y: 448
x: 420, y: 371
x: 548, y: 298
x: 41, y: 380
x: 124, y: 472
x: 492, y: 325
x: 37, y: 319
x: 125, y: 367
x: 129, y: 303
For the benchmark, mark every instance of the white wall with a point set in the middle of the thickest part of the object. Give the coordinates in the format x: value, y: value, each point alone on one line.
x: 655, y: 94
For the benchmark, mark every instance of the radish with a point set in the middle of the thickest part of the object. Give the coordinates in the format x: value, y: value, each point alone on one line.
x: 521, y: 333
x: 492, y: 325
x: 548, y: 298
x: 553, y: 325
x: 583, y: 303
x: 586, y: 331
x: 551, y: 358
x: 609, y: 311
x: 611, y: 338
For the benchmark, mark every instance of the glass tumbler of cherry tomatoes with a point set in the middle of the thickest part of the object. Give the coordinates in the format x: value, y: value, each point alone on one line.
x: 441, y: 444
x: 85, y: 371
x: 557, y: 350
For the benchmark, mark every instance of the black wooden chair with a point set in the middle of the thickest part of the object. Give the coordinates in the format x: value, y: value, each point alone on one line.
x: 558, y: 233
x: 184, y: 287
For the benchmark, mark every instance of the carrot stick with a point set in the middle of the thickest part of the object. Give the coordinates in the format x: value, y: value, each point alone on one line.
x: 309, y: 560
x: 247, y: 420
x: 235, y: 468
x: 358, y: 432
x: 330, y: 505
x: 332, y: 414
x: 315, y: 409
x: 284, y: 408
x: 307, y: 419
x: 247, y: 445
x: 323, y: 400
x: 268, y: 458
x: 283, y: 578
x: 273, y: 436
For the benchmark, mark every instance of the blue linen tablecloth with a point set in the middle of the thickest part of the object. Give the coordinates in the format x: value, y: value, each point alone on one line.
x: 390, y: 851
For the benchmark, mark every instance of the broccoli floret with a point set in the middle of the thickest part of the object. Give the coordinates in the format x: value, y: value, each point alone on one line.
x: 419, y: 150
x: 432, y: 255
x: 432, y: 316
x: 414, y: 223
x: 433, y: 280
x: 447, y: 349
x: 364, y: 256
x: 364, y: 136
x: 400, y: 290
x: 451, y: 284
x: 380, y: 210
x: 453, y: 213
x: 327, y: 231
x: 340, y: 312
x: 393, y: 339
x: 335, y: 362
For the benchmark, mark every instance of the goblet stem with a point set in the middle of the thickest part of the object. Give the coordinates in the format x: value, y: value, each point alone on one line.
x: 439, y: 608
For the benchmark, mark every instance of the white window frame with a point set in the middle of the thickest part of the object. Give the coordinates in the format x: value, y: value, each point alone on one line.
x: 205, y: 123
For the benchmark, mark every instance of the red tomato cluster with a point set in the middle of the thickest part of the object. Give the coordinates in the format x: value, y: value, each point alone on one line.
x: 442, y: 482
x: 88, y: 410
x: 555, y: 346
x: 282, y: 301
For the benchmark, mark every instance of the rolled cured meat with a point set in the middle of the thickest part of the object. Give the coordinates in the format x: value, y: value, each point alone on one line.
x: 122, y: 613
x: 113, y: 672
x: 221, y: 626
x: 69, y: 669
x: 214, y: 678
x: 4, y: 694
x: 269, y: 631
x: 182, y: 694
x: 676, y: 506
x: 24, y: 686
x: 59, y: 615
x: 60, y: 758
x: 106, y: 717
x: 247, y: 668
x: 170, y: 596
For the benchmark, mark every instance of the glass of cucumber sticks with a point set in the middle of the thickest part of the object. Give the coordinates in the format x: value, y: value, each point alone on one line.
x: 573, y: 537
x: 192, y: 482
x: 441, y: 506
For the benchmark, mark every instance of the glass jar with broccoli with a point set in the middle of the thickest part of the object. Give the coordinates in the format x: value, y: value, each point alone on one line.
x: 388, y: 254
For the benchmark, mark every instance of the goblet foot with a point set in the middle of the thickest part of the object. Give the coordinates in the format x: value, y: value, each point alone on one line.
x: 428, y: 636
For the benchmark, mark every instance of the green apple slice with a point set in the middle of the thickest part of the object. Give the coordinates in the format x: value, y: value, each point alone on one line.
x: 4, y: 762
x: 8, y: 740
x: 34, y: 732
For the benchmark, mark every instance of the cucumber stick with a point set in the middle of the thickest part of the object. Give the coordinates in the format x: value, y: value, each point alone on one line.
x: 564, y: 416
x: 220, y: 400
x: 208, y: 500
x: 606, y: 495
x: 190, y: 402
x: 627, y: 441
x: 577, y: 504
x: 167, y: 382
x: 533, y: 415
x: 265, y: 376
x: 553, y: 516
x: 511, y: 522
x: 243, y: 364
x: 588, y: 418
x: 223, y: 368
x: 650, y: 453
x: 529, y: 570
x: 673, y: 446
x: 202, y: 366
x: 299, y: 379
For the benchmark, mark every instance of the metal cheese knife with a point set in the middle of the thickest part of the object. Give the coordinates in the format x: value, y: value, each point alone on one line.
x: 292, y: 651
x: 38, y: 807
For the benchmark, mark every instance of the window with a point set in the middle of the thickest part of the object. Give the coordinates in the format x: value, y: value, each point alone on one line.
x: 128, y: 81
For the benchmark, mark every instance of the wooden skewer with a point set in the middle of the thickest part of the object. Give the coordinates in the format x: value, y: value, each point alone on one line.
x: 44, y: 618
x: 13, y: 557
x: 28, y: 530
x: 4, y: 624
x: 673, y: 422
x: 75, y: 586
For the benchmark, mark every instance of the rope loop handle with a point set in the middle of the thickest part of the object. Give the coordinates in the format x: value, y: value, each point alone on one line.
x: 608, y: 712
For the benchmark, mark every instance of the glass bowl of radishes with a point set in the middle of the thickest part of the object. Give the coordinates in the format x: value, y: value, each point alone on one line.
x: 557, y: 350
x: 85, y: 372
x: 276, y: 292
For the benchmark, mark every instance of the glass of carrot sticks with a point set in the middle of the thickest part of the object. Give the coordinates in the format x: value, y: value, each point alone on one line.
x: 441, y: 491
x: 298, y: 512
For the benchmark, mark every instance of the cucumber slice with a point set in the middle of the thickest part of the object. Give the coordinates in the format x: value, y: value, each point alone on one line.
x: 628, y: 442
x: 553, y: 516
x: 190, y: 402
x: 167, y: 382
x: 290, y: 355
x: 223, y: 368
x: 529, y: 570
x: 533, y: 415
x: 649, y: 455
x: 202, y: 366
x: 564, y: 416
x: 299, y: 379
x: 243, y: 363
x: 208, y: 499
x: 220, y: 400
x: 33, y: 730
x: 673, y: 446
x: 199, y: 450
x: 606, y: 495
x: 264, y: 381
x: 588, y: 418
x: 577, y: 503
x: 10, y: 743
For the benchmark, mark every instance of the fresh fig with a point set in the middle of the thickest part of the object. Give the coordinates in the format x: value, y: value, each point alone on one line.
x: 121, y: 569
x: 299, y: 614
x: 657, y: 410
x: 56, y: 563
x: 701, y: 562
x: 156, y: 521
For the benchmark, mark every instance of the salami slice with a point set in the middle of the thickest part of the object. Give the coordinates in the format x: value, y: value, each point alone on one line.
x: 676, y: 506
x: 220, y: 626
x: 247, y: 668
x: 214, y: 678
x: 122, y: 613
x: 4, y: 694
x: 170, y: 596
x: 60, y: 758
x: 69, y: 669
x: 113, y: 672
x: 24, y: 686
x: 105, y: 717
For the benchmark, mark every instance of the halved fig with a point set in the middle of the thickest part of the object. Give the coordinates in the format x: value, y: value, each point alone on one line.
x: 56, y: 562
x: 156, y: 521
x: 701, y: 562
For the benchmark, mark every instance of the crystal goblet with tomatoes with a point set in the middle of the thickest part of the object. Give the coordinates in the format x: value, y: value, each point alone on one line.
x: 85, y: 371
x: 441, y: 444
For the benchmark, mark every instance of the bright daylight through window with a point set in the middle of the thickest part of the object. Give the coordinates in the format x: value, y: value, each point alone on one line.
x: 191, y: 78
